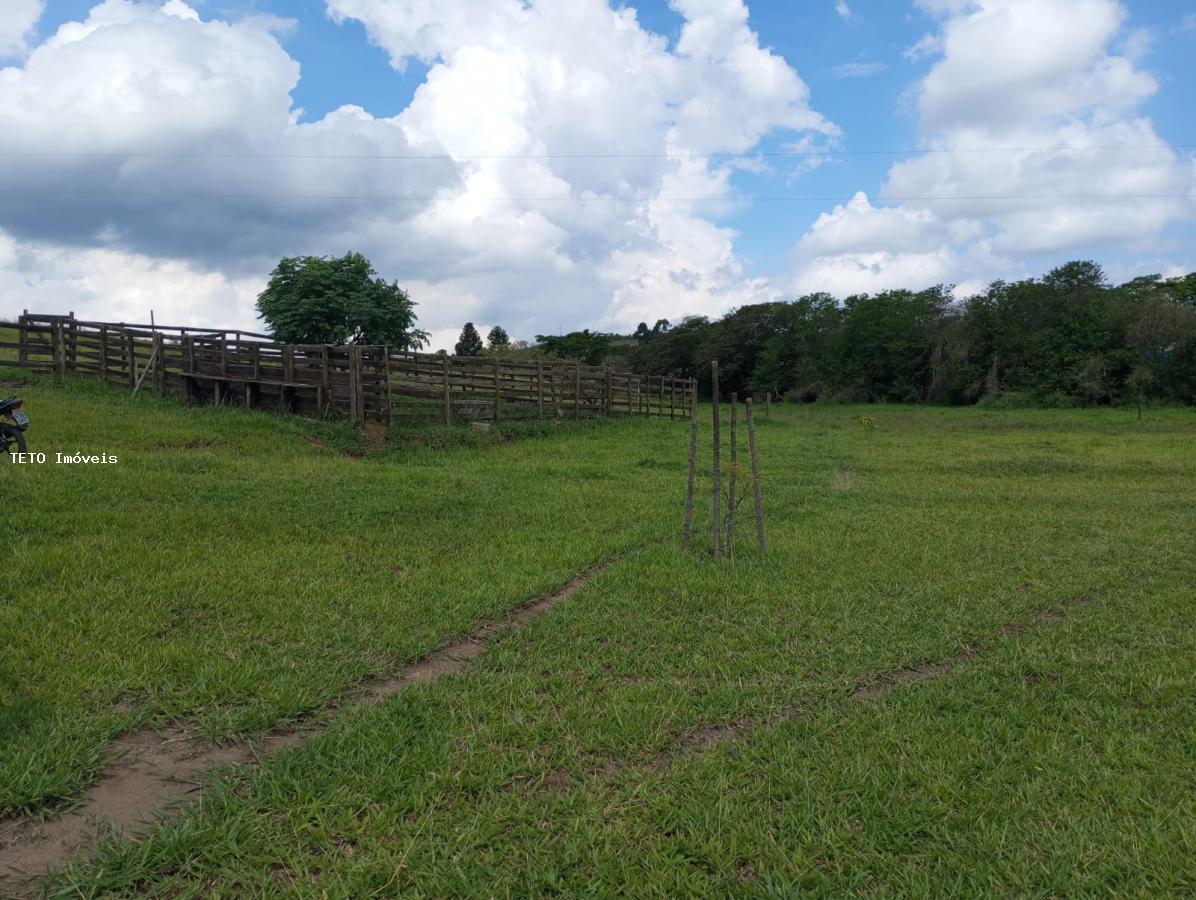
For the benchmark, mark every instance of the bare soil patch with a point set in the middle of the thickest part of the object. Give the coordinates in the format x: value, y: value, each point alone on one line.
x: 153, y: 772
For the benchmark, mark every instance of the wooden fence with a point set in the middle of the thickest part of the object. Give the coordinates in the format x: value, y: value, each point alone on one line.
x: 224, y: 366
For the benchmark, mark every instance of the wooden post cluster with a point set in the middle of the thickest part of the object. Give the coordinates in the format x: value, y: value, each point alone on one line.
x: 722, y: 529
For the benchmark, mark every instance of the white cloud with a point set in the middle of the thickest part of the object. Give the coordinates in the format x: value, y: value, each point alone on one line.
x: 17, y: 20
x: 546, y: 80
x: 174, y: 113
x: 1188, y: 23
x: 927, y: 45
x: 858, y: 69
x: 141, y: 128
x: 842, y: 9
x: 111, y: 285
x: 1016, y: 112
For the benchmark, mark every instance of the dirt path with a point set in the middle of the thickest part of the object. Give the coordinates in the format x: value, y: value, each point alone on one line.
x: 710, y: 736
x: 153, y: 772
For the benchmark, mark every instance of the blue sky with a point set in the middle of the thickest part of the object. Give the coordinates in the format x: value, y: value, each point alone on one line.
x: 849, y: 84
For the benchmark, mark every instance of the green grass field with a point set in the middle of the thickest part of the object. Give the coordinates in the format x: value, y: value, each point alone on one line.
x: 236, y: 570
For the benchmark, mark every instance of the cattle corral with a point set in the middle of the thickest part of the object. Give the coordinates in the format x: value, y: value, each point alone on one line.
x: 362, y: 383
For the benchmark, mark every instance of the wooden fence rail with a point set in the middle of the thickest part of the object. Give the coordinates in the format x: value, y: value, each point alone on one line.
x: 222, y: 366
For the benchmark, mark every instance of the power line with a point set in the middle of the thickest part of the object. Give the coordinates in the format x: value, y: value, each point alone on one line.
x: 448, y: 157
x: 427, y: 198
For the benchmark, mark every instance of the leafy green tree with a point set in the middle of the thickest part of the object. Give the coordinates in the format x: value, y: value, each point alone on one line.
x: 589, y: 348
x: 1068, y: 337
x: 337, y: 300
x: 470, y: 342
x: 498, y: 339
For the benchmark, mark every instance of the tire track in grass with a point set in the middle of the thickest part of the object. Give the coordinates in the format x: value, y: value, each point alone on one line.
x: 152, y: 772
x: 711, y: 736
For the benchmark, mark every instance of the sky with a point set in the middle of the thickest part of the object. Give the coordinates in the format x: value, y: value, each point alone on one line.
x: 551, y: 165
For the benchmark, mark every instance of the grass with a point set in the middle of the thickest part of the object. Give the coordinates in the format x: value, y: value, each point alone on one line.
x: 235, y: 570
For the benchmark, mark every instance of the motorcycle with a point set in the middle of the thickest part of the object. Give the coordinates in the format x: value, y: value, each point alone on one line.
x: 13, y: 423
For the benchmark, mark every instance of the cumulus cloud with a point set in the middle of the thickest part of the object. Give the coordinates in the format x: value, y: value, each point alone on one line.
x: 148, y: 131
x: 842, y: 9
x: 145, y: 129
x: 538, y: 84
x: 111, y: 285
x: 17, y: 20
x: 1018, y: 115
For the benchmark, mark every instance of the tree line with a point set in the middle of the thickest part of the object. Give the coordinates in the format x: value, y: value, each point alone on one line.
x: 1067, y: 338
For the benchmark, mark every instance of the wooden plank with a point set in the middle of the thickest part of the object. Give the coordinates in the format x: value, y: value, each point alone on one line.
x: 448, y: 406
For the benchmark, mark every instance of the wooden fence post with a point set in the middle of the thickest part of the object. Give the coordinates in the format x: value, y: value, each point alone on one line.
x: 497, y: 397
x: 390, y: 403
x: 325, y: 381
x: 131, y: 354
x: 57, y: 335
x: 693, y: 460
x: 104, y: 352
x: 539, y: 389
x: 610, y: 398
x: 577, y: 392
x: 718, y: 486
x: 448, y: 401
x: 224, y: 355
x: 731, y: 487
x: 357, y: 400
x: 756, y: 487
x: 160, y: 365
x: 22, y: 337
x: 74, y: 343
